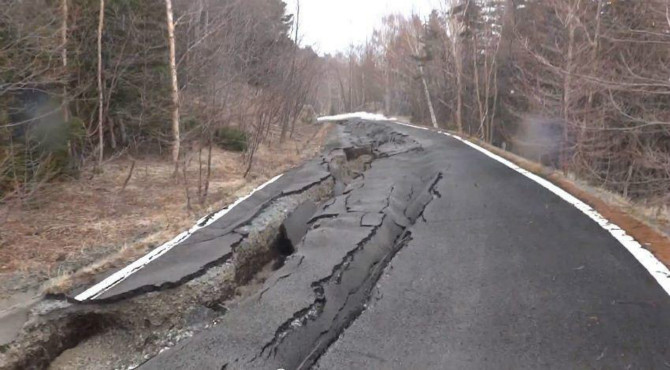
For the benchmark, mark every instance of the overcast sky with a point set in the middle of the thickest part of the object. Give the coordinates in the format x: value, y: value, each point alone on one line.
x: 332, y: 25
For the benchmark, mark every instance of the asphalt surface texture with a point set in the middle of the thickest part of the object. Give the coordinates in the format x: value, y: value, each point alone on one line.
x: 213, y: 244
x: 435, y: 256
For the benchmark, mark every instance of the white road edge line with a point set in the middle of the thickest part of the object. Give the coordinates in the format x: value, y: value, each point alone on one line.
x: 121, y: 275
x: 656, y: 268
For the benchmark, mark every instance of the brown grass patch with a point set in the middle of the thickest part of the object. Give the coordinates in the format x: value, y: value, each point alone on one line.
x: 90, y: 225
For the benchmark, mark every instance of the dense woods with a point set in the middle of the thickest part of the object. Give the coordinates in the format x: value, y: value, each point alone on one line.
x: 83, y: 81
x: 582, y: 85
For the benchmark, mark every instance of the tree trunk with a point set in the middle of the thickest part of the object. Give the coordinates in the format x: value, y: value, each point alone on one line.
x: 66, y: 110
x: 175, y: 86
x: 567, y: 80
x: 285, y: 121
x: 200, y: 173
x: 459, y: 86
x: 112, y: 135
x: 209, y: 168
x: 567, y: 86
x: 387, y: 90
x: 433, y: 119
x: 459, y: 102
x: 351, y: 81
x: 124, y: 135
x: 330, y: 98
x: 345, y: 102
x: 480, y: 106
x: 495, y: 104
x: 363, y: 88
x: 101, y: 107
x: 596, y: 46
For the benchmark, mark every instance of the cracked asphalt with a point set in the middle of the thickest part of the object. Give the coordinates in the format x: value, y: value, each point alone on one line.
x: 435, y: 256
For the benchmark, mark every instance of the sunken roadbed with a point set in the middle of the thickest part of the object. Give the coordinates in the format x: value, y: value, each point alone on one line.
x: 291, y: 265
x: 327, y: 282
x: 397, y: 248
x: 436, y: 256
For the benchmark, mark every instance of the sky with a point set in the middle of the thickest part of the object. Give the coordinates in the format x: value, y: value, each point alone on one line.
x: 332, y: 25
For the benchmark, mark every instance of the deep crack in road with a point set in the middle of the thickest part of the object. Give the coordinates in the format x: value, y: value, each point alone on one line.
x: 436, y: 256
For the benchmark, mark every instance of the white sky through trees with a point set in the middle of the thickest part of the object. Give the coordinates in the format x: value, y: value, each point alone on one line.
x: 330, y: 26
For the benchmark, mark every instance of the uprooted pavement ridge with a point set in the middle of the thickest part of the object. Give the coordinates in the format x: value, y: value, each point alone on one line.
x: 167, y: 303
x: 326, y: 284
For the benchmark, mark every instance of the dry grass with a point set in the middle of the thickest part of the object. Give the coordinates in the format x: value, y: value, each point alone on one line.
x: 86, y: 226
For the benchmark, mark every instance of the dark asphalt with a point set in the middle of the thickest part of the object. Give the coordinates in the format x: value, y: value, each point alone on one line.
x: 213, y: 244
x: 492, y: 271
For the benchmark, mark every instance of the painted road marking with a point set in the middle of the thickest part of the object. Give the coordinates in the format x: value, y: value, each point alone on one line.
x: 656, y: 268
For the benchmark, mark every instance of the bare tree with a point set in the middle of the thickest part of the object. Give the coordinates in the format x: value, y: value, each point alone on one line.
x: 101, y: 107
x: 64, y: 28
x: 456, y: 27
x: 176, y: 140
x: 285, y: 120
x: 422, y: 75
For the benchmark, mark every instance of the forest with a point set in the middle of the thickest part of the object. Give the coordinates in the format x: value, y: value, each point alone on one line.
x: 86, y: 81
x: 176, y: 193
x: 579, y: 85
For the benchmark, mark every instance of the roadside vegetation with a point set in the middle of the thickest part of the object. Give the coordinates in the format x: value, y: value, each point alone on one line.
x: 581, y: 86
x: 122, y: 122
x: 77, y: 229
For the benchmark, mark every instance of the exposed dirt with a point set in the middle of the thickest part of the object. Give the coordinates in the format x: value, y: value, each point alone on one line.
x: 326, y: 284
x: 650, y: 237
x: 126, y: 333
x: 88, y: 225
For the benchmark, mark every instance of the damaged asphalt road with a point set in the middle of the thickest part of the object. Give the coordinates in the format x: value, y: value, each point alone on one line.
x: 395, y: 248
x: 326, y: 283
x: 211, y: 245
x: 432, y: 255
